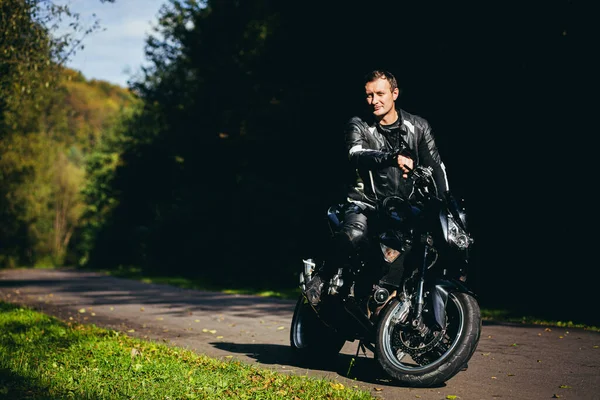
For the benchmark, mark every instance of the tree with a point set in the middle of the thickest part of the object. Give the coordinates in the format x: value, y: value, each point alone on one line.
x: 36, y: 173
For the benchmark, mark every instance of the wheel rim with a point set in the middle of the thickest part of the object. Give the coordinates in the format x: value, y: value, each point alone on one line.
x: 454, y: 331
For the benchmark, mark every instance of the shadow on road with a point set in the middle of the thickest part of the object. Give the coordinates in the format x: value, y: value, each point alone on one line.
x: 365, y: 369
x: 106, y: 290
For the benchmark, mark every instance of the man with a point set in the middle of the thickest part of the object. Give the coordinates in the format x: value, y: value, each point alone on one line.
x: 373, y: 144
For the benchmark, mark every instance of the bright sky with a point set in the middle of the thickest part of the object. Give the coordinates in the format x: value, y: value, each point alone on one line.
x: 117, y: 53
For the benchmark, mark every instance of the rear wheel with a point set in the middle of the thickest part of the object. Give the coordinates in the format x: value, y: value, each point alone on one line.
x: 310, y: 338
x: 430, y: 360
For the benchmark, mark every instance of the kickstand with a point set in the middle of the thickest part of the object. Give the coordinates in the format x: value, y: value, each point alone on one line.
x: 361, y: 346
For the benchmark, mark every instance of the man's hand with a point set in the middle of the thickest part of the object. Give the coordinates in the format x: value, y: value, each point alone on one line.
x: 403, y: 163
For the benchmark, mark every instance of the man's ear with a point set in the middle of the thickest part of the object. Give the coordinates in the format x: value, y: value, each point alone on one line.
x: 395, y: 94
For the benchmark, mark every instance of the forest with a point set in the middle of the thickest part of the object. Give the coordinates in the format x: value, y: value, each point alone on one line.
x: 220, y: 159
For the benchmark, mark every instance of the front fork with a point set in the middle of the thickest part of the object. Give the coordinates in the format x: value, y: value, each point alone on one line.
x: 417, y: 321
x: 440, y: 291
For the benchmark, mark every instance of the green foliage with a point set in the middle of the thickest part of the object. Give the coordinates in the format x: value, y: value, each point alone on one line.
x: 44, y: 172
x: 25, y: 58
x: 31, y: 49
x: 197, y: 150
x: 50, y: 120
x: 41, y: 358
x: 99, y: 195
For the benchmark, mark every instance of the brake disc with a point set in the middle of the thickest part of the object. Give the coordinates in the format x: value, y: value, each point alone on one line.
x: 416, y: 353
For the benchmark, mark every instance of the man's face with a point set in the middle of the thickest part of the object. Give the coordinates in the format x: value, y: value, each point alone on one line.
x: 380, y: 97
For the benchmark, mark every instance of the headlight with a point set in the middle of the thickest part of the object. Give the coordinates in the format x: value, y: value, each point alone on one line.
x: 458, y: 236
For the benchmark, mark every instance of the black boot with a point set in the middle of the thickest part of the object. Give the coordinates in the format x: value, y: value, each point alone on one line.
x: 313, y: 291
x: 339, y: 251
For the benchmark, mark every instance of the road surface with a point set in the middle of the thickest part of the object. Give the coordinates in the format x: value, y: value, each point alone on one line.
x: 512, y: 361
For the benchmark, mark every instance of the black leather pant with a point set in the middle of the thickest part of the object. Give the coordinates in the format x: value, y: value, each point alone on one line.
x: 351, y: 241
x: 348, y: 240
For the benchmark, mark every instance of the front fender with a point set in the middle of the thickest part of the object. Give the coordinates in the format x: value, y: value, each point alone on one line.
x: 439, y: 296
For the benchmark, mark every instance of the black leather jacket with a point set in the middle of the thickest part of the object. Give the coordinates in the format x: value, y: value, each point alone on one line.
x: 372, y: 153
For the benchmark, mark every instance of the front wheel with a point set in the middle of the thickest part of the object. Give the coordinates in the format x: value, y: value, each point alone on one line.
x: 429, y: 360
x: 311, y: 340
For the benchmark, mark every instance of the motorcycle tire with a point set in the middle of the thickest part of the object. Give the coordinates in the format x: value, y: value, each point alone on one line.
x: 464, y: 323
x: 311, y: 340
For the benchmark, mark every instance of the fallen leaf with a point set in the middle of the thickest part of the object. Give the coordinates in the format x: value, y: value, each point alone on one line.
x: 485, y: 354
x: 337, y: 386
x: 539, y: 360
x: 141, y: 308
x: 561, y: 337
x: 451, y: 397
x: 135, y: 352
x: 510, y: 374
x: 548, y: 330
x: 228, y: 356
x: 493, y: 377
x: 514, y: 345
x: 555, y: 396
x: 595, y: 347
x: 131, y: 330
x: 196, y: 320
x: 564, y: 387
x: 219, y: 337
x: 93, y: 314
x: 159, y: 318
x: 82, y: 310
x: 378, y: 389
x: 539, y: 334
x: 281, y: 328
x: 112, y: 308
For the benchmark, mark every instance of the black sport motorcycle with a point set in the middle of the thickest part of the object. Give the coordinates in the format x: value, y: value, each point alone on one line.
x: 404, y: 296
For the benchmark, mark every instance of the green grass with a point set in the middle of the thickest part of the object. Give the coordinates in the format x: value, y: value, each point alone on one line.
x: 507, y: 316
x: 42, y: 357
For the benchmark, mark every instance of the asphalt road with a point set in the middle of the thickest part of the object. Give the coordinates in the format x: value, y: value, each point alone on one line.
x: 511, y: 362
